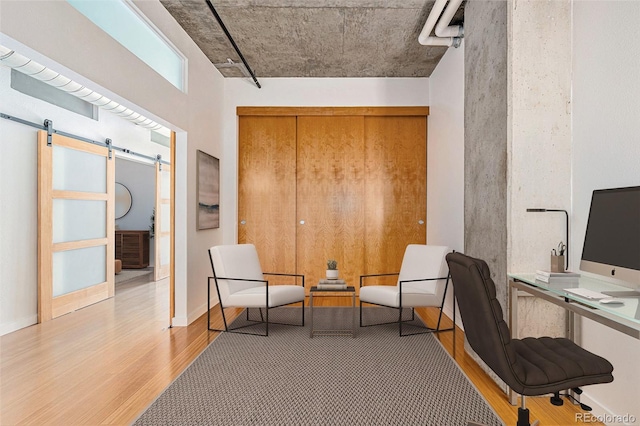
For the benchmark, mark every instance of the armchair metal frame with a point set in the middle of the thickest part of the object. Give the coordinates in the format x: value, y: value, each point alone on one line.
x: 263, y: 319
x: 400, y: 308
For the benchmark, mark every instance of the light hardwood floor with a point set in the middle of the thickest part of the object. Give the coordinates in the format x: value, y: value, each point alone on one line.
x: 104, y: 364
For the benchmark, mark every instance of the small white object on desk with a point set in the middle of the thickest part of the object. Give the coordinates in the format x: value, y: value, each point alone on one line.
x: 557, y: 277
x: 612, y: 302
x: 586, y: 293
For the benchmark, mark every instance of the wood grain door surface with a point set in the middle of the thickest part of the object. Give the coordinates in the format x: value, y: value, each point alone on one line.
x: 267, y: 190
x: 319, y: 187
x: 330, y: 201
x: 396, y: 189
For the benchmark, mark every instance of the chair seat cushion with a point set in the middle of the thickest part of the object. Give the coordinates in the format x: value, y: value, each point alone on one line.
x: 255, y: 297
x: 388, y: 295
x: 546, y: 365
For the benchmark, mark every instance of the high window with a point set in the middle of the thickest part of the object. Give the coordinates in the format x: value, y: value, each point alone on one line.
x: 126, y: 24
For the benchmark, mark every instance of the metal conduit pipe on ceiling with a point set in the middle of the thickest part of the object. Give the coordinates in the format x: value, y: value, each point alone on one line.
x: 33, y: 69
x: 445, y: 34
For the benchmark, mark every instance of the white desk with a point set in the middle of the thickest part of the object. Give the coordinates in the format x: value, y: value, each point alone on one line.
x: 624, y: 318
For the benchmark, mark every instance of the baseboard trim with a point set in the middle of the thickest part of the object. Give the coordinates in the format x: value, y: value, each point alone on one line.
x: 603, y: 414
x: 17, y: 325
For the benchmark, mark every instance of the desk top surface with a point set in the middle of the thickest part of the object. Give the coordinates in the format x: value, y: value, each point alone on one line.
x: 629, y: 310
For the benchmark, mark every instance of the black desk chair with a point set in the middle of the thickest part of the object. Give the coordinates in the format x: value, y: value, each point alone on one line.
x: 528, y: 366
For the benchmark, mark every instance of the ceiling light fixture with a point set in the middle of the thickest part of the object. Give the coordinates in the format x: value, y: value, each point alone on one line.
x: 33, y: 69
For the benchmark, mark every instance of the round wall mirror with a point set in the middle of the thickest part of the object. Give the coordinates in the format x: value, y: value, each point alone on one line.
x: 123, y: 200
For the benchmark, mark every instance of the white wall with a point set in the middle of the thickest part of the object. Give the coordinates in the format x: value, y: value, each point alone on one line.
x: 18, y: 190
x: 445, y: 152
x: 61, y: 43
x: 445, y: 156
x: 139, y: 177
x: 140, y: 180
x: 606, y: 154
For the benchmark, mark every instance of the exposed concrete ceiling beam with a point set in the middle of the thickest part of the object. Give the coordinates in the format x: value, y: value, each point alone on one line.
x: 319, y: 38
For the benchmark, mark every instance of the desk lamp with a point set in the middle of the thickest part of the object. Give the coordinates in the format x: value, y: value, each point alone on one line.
x: 566, y: 228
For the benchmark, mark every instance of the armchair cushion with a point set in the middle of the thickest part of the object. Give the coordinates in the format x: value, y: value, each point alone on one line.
x: 388, y: 295
x: 255, y: 297
x: 236, y: 261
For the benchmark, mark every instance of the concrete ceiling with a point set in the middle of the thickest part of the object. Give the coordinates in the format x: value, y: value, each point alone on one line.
x: 314, y: 38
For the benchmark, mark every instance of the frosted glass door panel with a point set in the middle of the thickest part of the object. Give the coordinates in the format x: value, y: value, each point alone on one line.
x: 75, y: 220
x: 165, y: 217
x: 78, y: 171
x: 77, y: 269
x: 165, y: 251
x: 165, y: 185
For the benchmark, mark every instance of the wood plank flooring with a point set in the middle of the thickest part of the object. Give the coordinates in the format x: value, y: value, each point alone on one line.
x: 104, y: 364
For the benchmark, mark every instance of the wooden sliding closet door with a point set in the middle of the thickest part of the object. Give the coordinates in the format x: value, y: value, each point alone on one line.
x: 267, y: 190
x: 330, y: 202
x: 396, y: 189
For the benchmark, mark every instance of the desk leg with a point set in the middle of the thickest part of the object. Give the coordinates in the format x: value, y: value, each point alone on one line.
x: 570, y: 333
x: 513, y: 325
x: 570, y: 326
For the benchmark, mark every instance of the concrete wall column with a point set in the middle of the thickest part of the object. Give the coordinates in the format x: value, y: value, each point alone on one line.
x: 517, y: 142
x: 485, y: 135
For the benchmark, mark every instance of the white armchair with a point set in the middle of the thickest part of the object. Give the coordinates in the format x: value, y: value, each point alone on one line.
x: 422, y: 281
x: 240, y: 283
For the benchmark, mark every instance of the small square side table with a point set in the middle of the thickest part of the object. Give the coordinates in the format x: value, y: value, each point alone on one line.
x: 317, y: 292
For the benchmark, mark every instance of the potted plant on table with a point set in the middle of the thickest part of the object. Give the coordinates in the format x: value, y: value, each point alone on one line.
x: 332, y: 269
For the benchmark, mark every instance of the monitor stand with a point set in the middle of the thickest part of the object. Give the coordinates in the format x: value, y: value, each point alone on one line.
x: 630, y: 293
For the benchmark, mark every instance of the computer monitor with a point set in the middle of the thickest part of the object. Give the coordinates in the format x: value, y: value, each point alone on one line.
x: 612, y: 239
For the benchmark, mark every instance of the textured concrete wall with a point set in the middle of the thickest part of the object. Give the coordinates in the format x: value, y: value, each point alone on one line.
x: 485, y: 123
x: 485, y: 135
x: 517, y: 142
x: 539, y: 147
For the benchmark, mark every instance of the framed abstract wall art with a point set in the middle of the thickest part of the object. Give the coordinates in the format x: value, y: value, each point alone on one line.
x: 208, y: 191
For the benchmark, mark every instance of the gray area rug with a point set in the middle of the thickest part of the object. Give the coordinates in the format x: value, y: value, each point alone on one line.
x: 290, y: 379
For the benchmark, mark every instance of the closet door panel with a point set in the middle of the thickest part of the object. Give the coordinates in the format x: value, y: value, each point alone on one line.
x: 396, y: 189
x: 330, y: 201
x: 267, y: 190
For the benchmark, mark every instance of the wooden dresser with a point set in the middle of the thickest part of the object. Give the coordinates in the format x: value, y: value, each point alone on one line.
x: 132, y: 248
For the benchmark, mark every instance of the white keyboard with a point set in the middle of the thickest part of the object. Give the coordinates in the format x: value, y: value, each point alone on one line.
x: 586, y: 293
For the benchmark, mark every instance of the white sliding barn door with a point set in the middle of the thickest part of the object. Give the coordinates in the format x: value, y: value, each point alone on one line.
x: 76, y: 221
